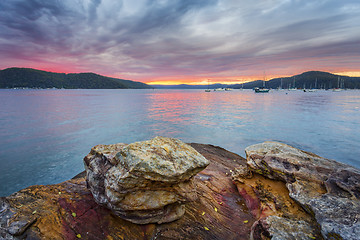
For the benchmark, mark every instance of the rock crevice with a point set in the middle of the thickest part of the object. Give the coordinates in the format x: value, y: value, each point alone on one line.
x: 327, y: 190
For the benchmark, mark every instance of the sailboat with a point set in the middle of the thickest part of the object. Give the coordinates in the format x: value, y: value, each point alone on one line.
x: 208, y: 89
x: 262, y: 89
x: 294, y: 88
x: 338, y: 89
x: 242, y: 87
x: 313, y: 89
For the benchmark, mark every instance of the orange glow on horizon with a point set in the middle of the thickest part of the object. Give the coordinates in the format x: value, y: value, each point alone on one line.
x: 206, y: 81
x: 233, y: 80
x: 349, y: 74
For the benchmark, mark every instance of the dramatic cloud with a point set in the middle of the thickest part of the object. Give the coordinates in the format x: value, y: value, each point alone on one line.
x: 149, y: 40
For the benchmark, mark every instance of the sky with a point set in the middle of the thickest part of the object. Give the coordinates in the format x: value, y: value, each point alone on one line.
x: 182, y: 41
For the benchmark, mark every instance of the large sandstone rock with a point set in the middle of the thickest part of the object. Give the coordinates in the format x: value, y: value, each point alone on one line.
x: 146, y: 181
x: 321, y: 202
x: 68, y: 211
x: 326, y: 189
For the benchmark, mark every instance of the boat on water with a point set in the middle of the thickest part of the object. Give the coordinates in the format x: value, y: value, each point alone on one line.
x: 208, y: 89
x: 339, y: 86
x: 294, y: 86
x: 261, y: 90
x: 242, y: 87
x: 219, y: 89
x: 228, y: 89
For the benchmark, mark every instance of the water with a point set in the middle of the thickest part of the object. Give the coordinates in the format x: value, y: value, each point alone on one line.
x: 44, y: 134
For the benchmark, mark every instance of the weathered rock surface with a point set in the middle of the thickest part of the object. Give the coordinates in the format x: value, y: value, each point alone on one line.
x: 144, y: 182
x: 326, y: 189
x: 68, y: 210
x: 321, y: 202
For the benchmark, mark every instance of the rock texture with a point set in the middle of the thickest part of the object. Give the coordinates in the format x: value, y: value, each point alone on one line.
x: 327, y: 190
x: 68, y: 210
x: 285, y: 193
x: 144, y: 182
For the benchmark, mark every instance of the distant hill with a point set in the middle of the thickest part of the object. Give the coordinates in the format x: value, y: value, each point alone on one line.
x: 307, y: 79
x: 32, y: 78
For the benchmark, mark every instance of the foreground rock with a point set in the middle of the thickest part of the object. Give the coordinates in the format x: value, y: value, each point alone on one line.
x: 279, y: 193
x: 328, y: 193
x: 145, y: 182
x: 68, y: 210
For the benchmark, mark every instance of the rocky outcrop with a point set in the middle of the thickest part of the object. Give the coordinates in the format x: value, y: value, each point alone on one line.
x: 144, y: 182
x: 324, y: 192
x: 285, y: 193
x: 68, y: 210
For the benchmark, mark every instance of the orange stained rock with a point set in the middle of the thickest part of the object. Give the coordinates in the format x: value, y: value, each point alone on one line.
x: 266, y: 197
x: 54, y: 213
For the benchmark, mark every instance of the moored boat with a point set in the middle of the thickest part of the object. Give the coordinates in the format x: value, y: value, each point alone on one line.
x: 261, y: 90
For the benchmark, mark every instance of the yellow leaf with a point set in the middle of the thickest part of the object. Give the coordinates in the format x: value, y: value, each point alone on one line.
x: 59, y: 193
x: 34, y: 212
x: 311, y: 236
x: 246, y: 221
x: 73, y: 214
x: 203, y: 214
x: 215, y: 209
x: 78, y: 236
x: 221, y: 203
x: 206, y: 229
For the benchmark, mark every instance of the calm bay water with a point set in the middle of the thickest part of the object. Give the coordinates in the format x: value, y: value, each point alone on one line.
x: 44, y: 134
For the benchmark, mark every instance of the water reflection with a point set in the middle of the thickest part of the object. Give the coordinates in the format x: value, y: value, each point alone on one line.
x: 46, y: 133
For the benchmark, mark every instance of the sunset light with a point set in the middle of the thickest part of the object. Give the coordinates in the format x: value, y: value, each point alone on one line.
x: 180, y: 119
x: 176, y: 42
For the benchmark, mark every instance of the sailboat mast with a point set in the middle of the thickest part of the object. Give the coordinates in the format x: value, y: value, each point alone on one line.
x: 264, y: 80
x: 294, y: 82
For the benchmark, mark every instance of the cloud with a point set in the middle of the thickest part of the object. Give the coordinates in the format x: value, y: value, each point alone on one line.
x: 148, y: 39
